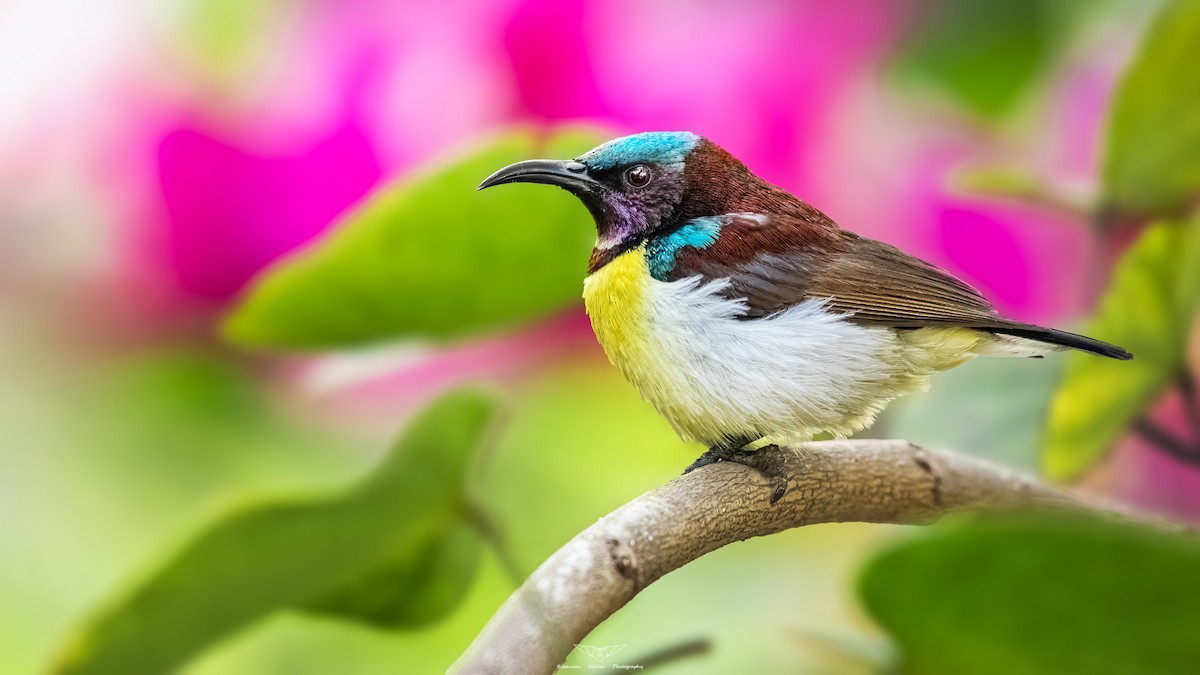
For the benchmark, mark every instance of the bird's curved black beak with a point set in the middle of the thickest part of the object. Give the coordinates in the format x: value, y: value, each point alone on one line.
x: 567, y: 174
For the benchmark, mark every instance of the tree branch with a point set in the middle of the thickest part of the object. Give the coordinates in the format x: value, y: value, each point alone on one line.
x: 604, y: 567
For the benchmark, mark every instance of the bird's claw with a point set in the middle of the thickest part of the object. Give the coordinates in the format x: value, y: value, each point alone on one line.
x: 749, y: 458
x: 707, y: 457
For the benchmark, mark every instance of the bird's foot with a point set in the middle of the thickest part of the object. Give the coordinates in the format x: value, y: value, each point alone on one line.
x: 772, y: 471
x: 713, y: 455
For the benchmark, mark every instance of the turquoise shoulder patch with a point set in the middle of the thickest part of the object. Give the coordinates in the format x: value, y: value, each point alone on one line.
x: 661, y: 251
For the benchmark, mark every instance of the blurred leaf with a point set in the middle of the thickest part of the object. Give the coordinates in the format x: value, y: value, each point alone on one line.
x: 290, y: 554
x: 1148, y: 310
x: 412, y: 590
x: 998, y: 181
x: 1153, y: 161
x: 185, y: 425
x: 992, y: 407
x: 984, y: 53
x: 224, y: 34
x: 1039, y: 595
x: 430, y: 257
x: 1022, y: 186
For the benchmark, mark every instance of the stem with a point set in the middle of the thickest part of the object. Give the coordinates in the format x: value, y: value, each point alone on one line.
x: 672, y: 654
x: 1166, y: 441
x: 1187, y: 390
x: 494, y: 535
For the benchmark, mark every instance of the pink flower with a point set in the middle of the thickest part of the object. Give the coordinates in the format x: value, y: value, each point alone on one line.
x: 230, y: 211
x: 756, y: 78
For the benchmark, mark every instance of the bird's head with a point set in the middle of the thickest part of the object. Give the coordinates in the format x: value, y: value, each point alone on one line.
x: 637, y: 185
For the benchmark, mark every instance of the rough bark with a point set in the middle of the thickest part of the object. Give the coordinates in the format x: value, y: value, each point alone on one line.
x: 604, y: 567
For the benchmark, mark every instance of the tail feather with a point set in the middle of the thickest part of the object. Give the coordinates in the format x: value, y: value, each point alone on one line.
x: 1064, y: 339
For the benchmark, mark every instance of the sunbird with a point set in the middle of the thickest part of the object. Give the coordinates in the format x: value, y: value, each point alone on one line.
x: 746, y: 316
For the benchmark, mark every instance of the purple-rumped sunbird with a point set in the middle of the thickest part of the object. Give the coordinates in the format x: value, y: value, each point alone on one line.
x: 743, y: 314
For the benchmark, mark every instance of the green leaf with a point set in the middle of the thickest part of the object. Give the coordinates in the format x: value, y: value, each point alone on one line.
x: 1152, y: 165
x: 223, y: 36
x: 999, y: 181
x: 1148, y: 309
x: 430, y: 257
x: 1039, y: 596
x: 998, y: 408
x: 295, y: 553
x: 983, y: 53
x: 412, y: 590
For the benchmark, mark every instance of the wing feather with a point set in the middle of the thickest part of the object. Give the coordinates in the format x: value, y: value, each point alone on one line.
x: 779, y: 262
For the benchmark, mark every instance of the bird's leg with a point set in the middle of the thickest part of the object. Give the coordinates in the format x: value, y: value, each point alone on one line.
x: 734, y: 452
x: 722, y: 452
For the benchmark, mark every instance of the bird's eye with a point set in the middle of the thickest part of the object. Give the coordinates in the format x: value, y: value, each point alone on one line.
x: 638, y: 175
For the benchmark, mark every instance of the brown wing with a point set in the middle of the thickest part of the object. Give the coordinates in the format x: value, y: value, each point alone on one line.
x: 777, y: 262
x: 880, y: 284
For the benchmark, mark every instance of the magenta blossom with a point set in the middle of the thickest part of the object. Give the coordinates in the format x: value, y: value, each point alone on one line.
x: 231, y: 212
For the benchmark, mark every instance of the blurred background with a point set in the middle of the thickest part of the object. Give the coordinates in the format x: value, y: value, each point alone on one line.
x: 239, y: 252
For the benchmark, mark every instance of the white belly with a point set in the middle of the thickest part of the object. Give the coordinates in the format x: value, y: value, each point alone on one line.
x: 784, y: 378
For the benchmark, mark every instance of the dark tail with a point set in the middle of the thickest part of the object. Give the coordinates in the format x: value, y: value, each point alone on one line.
x: 1062, y: 337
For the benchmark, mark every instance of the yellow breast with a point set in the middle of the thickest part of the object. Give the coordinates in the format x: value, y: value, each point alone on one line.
x: 615, y: 297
